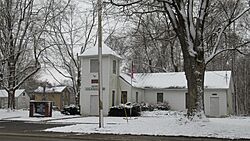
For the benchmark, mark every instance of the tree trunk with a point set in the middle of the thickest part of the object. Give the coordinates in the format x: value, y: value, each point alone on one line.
x: 11, y: 57
x: 78, y: 81
x: 11, y: 99
x: 194, y: 67
x: 11, y: 83
x: 12, y: 75
x: 194, y: 72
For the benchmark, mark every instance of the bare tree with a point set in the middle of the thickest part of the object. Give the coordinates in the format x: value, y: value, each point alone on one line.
x: 188, y: 19
x: 156, y: 36
x: 150, y: 43
x: 22, y: 26
x: 69, y: 35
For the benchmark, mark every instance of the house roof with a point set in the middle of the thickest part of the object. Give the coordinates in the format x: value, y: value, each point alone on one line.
x: 93, y: 51
x: 56, y: 89
x: 177, y: 80
x: 4, y: 93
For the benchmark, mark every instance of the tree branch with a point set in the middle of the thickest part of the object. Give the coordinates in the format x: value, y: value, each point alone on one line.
x: 209, y: 59
x: 123, y: 5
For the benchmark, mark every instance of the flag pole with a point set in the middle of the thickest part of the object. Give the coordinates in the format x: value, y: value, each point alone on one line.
x: 100, y: 90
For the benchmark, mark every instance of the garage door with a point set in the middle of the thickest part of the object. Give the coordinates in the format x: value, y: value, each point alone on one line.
x: 94, y: 105
x: 214, y: 106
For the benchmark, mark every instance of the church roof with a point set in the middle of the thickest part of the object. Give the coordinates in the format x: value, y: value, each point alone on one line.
x: 177, y: 80
x: 93, y: 51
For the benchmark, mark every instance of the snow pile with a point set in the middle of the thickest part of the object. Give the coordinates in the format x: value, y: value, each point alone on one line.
x: 157, y: 114
x: 161, y: 123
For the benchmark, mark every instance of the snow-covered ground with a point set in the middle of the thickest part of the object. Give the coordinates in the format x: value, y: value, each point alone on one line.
x: 23, y: 115
x: 161, y: 123
x: 150, y: 123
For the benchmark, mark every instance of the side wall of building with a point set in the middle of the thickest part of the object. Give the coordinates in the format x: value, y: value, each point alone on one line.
x: 215, y: 97
x: 175, y: 98
x: 114, y: 81
x: 133, y: 94
x: 3, y: 102
x: 22, y: 101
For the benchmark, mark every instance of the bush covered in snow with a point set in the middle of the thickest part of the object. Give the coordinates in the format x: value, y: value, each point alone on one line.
x: 159, y: 106
x: 134, y: 109
x: 71, y: 110
x: 122, y: 110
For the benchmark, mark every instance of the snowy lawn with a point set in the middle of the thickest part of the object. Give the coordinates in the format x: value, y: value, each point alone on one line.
x: 161, y: 123
x: 23, y: 115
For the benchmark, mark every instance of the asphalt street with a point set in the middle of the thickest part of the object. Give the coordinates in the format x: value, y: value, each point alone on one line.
x: 32, y: 131
x: 25, y: 127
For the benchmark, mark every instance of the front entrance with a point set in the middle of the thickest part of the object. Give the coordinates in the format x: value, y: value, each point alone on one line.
x: 214, y: 106
x: 94, y: 105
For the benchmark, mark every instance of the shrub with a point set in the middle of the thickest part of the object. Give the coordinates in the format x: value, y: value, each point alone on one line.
x: 123, y: 110
x: 163, y: 106
x: 159, y: 106
x: 134, y: 109
x: 71, y: 110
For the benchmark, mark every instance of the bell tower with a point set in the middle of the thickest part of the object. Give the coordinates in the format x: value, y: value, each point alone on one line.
x: 89, y: 78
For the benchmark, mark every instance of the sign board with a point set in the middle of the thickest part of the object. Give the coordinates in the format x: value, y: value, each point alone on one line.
x: 93, y: 88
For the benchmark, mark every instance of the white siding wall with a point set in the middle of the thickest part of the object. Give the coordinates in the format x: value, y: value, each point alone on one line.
x: 22, y: 101
x: 86, y: 83
x: 110, y: 81
x: 114, y: 80
x: 230, y: 108
x: 124, y: 86
x: 3, y: 102
x: 222, y: 95
x: 140, y: 95
x: 176, y: 98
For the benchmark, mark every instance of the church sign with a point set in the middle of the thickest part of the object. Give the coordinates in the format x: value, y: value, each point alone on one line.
x: 93, y: 88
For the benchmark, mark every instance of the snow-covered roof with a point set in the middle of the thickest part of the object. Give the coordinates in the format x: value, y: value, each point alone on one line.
x: 56, y: 89
x: 93, y: 51
x: 177, y: 80
x: 4, y: 93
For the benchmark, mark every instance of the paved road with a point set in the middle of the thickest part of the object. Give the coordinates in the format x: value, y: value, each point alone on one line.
x: 25, y: 127
x: 28, y: 138
x: 23, y: 131
x: 97, y: 137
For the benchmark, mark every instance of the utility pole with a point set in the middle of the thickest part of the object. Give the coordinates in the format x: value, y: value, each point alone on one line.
x: 100, y: 93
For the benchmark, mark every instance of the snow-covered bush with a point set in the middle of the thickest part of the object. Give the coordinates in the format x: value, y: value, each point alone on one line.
x: 71, y: 110
x: 159, y: 106
x: 122, y: 110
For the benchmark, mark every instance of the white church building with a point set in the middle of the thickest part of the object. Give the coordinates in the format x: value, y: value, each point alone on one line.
x: 147, y: 87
